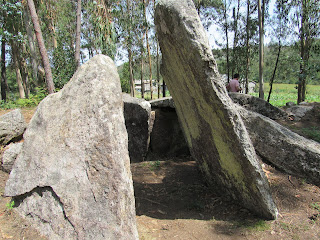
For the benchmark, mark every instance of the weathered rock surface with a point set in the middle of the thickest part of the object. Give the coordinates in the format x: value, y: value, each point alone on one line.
x: 10, y: 156
x: 12, y: 127
x: 298, y: 111
x: 215, y: 133
x: 162, y: 103
x: 258, y: 105
x: 283, y: 148
x: 137, y: 118
x: 73, y: 178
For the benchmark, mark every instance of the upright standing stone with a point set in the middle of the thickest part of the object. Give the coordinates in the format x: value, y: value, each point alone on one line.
x: 137, y: 117
x: 73, y: 178
x: 214, y: 130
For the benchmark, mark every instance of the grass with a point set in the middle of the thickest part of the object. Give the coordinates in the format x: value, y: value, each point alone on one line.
x: 312, y: 132
x: 283, y: 93
x: 155, y: 165
x: 256, y: 226
x: 316, y: 206
x: 10, y: 205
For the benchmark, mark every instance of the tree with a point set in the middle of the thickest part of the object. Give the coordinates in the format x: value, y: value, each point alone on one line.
x: 31, y: 41
x: 3, y: 70
x: 15, y: 57
x: 307, y: 18
x: 78, y: 34
x: 247, y: 47
x: 42, y: 48
x: 261, y: 46
x: 281, y: 22
x: 148, y: 46
x: 235, y: 53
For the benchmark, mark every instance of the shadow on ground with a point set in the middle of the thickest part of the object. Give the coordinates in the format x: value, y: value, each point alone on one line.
x: 176, y: 190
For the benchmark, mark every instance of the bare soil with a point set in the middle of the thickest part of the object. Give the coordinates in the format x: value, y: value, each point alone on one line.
x: 173, y: 202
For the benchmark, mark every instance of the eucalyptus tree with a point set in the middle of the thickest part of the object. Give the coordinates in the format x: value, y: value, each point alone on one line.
x: 42, y: 48
x: 31, y: 42
x: 261, y: 47
x: 281, y: 31
x: 78, y: 34
x: 128, y: 18
x: 12, y: 33
x: 307, y: 19
x: 146, y: 26
x: 235, y: 52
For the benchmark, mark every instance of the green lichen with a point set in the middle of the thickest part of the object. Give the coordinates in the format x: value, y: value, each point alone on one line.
x: 193, y: 109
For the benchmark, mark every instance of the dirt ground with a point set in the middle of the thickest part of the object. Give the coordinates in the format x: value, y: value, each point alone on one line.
x: 173, y: 202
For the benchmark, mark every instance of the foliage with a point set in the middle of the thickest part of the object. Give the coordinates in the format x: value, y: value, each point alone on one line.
x: 155, y: 165
x: 316, y: 206
x: 99, y: 31
x: 125, y: 78
x: 10, y: 205
x: 32, y: 101
x: 10, y: 20
x: 64, y: 65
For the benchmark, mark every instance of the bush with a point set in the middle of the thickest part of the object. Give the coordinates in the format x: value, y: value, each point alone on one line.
x: 32, y: 101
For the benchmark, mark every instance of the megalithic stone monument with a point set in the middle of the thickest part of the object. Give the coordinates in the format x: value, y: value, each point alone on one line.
x: 72, y: 179
x: 213, y: 128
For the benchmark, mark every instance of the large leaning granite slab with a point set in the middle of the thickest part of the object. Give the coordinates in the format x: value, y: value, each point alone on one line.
x: 12, y: 126
x: 215, y: 133
x: 72, y: 178
x: 137, y: 117
x: 283, y: 148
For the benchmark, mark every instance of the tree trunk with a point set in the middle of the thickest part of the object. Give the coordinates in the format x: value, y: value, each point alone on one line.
x: 247, y: 47
x: 17, y: 69
x: 235, y: 39
x: 158, y: 70
x: 274, y: 70
x: 129, y: 46
x: 261, y: 46
x: 31, y: 41
x: 304, y: 53
x: 51, y: 17
x: 24, y: 71
x: 227, y: 38
x: 132, y: 85
x: 141, y: 73
x: 42, y: 48
x: 78, y: 34
x: 148, y: 47
x: 150, y: 64
x: 3, y: 71
x: 142, y: 82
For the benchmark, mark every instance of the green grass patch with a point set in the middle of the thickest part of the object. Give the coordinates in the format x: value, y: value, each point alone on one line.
x: 155, y: 165
x: 258, y: 226
x: 312, y: 132
x: 283, y: 93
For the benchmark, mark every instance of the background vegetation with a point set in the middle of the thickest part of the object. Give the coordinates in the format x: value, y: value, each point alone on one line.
x: 124, y: 30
